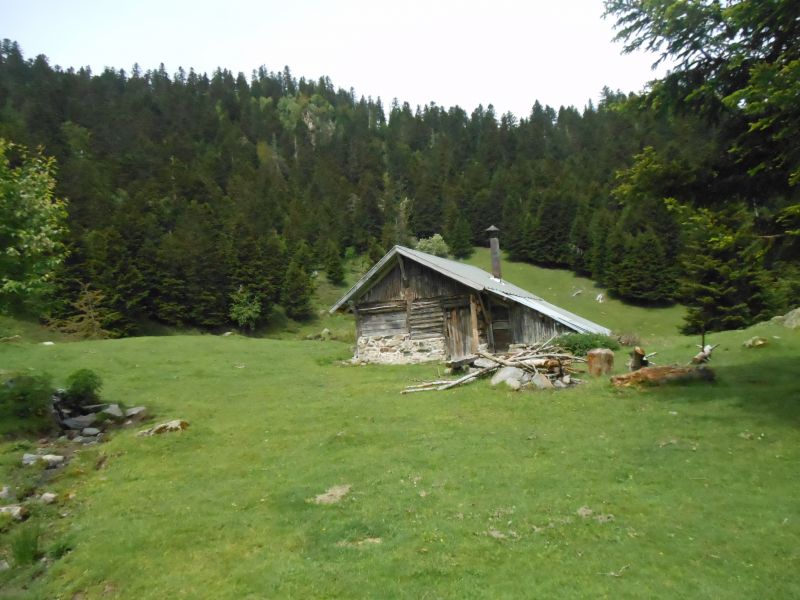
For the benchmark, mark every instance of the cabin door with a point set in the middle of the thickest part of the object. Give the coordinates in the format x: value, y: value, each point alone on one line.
x: 458, y: 332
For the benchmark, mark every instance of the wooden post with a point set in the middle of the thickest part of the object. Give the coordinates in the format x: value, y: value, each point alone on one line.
x: 487, y: 319
x: 473, y: 317
x: 600, y: 361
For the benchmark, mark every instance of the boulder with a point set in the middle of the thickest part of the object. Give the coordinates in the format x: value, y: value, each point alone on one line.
x: 48, y: 498
x: 601, y: 361
x: 114, y: 410
x: 541, y: 382
x: 507, y: 373
x: 792, y: 319
x: 90, y: 431
x: 137, y: 412
x: 52, y: 460
x: 483, y: 363
x: 80, y: 422
x: 17, y: 511
x: 29, y: 459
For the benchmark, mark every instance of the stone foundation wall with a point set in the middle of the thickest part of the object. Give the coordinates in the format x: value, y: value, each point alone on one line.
x: 399, y: 349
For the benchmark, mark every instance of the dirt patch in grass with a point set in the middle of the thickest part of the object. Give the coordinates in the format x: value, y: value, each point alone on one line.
x: 369, y: 541
x: 333, y: 495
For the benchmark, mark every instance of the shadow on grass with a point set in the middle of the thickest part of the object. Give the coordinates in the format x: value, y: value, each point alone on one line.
x: 768, y: 387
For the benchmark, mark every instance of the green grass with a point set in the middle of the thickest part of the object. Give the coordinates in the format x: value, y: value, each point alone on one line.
x: 701, y: 480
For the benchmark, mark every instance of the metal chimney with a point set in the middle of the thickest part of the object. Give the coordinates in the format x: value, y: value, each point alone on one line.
x: 494, y: 246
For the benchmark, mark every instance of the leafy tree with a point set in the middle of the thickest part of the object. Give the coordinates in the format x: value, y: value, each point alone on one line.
x: 32, y: 225
x: 434, y: 245
x: 245, y: 308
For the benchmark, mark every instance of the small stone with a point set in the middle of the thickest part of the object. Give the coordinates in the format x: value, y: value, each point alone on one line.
x: 325, y: 334
x: 29, y: 459
x: 755, y: 342
x: 5, y: 493
x: 78, y: 439
x: 48, y: 344
x: 566, y: 379
x: 227, y: 334
x: 114, y: 410
x: 514, y: 384
x: 48, y: 497
x: 558, y: 384
x: 175, y: 425
x: 89, y: 431
x: 4, y: 566
x: 17, y: 511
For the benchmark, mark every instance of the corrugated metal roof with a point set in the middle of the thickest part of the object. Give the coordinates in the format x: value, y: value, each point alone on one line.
x: 476, y: 279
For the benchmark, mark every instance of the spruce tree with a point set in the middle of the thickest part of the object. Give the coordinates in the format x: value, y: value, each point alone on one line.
x: 297, y: 292
x: 459, y: 240
x: 334, y: 269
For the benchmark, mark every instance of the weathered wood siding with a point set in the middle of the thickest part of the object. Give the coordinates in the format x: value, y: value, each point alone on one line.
x: 388, y: 288
x: 382, y: 318
x: 426, y: 319
x: 528, y: 326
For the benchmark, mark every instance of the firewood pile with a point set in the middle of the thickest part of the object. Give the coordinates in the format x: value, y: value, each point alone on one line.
x: 540, y: 366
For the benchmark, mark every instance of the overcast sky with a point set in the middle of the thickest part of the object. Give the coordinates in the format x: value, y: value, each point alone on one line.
x: 496, y: 52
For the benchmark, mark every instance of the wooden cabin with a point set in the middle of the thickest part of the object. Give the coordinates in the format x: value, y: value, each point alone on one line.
x: 414, y: 307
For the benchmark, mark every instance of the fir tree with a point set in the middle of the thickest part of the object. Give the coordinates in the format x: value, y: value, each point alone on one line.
x: 459, y: 239
x: 334, y: 269
x: 297, y: 292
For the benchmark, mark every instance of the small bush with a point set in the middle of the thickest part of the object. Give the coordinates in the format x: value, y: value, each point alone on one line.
x: 434, y: 245
x: 83, y: 387
x: 580, y: 343
x: 25, y: 545
x: 26, y: 398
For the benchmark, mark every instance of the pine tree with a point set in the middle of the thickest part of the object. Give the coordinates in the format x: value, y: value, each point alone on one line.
x: 334, y: 269
x: 459, y: 240
x: 297, y: 292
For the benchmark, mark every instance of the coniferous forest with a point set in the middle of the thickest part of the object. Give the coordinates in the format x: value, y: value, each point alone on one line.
x: 190, y: 193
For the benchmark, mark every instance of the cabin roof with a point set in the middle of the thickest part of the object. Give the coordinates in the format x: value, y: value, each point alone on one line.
x: 473, y: 278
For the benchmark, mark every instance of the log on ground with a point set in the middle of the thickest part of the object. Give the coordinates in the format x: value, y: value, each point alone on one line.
x: 663, y: 375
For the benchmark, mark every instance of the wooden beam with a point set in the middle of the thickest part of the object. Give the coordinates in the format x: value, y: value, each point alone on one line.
x: 473, y: 317
x: 487, y: 317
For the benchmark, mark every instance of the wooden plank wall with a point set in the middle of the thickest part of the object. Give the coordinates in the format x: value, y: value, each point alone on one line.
x: 529, y: 326
x: 426, y: 319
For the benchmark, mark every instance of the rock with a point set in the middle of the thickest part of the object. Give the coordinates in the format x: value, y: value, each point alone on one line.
x: 78, y: 439
x: 48, y: 344
x: 325, y: 334
x: 514, y: 384
x: 80, y: 422
x: 29, y: 459
x: 507, y: 373
x: 5, y: 493
x: 566, y: 379
x: 114, y: 410
x: 52, y: 460
x: 94, y: 408
x: 17, y: 511
x: 755, y: 342
x: 558, y: 384
x: 791, y: 320
x: 483, y: 363
x: 48, y: 498
x: 227, y: 334
x: 89, y: 431
x: 176, y: 425
x: 541, y: 382
x: 601, y: 361
x: 4, y: 566
x: 137, y: 412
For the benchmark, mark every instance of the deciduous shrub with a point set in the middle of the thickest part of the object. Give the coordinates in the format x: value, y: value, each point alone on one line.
x: 83, y: 387
x: 581, y: 343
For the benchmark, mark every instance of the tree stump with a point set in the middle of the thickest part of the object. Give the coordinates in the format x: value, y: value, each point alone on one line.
x: 638, y: 359
x: 601, y: 361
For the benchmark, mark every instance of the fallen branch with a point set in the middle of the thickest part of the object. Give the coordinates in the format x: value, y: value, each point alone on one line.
x: 704, y: 355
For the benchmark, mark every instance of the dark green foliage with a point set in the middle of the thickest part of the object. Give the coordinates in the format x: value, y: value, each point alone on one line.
x: 580, y: 343
x: 245, y: 308
x: 297, y: 292
x: 459, y: 238
x: 185, y: 189
x: 334, y: 268
x: 26, y: 398
x: 83, y: 387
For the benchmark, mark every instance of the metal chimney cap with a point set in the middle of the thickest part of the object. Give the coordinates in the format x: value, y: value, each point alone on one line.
x: 492, y: 229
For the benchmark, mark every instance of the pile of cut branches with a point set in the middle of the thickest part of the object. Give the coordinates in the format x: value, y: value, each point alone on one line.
x: 544, y: 361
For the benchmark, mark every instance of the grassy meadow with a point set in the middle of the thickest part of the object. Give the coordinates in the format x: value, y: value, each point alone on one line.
x: 686, y: 491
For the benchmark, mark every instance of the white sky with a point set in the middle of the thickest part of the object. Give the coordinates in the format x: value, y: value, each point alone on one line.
x: 501, y: 52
